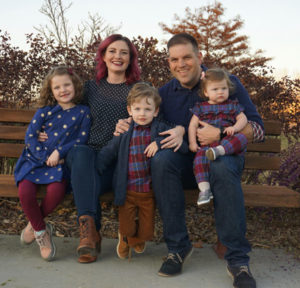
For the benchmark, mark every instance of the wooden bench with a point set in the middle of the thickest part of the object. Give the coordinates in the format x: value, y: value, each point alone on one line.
x: 259, y: 156
x: 13, y: 124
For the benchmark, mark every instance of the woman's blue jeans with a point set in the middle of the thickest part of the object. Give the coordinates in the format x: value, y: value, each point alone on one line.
x: 87, y: 184
x: 171, y: 172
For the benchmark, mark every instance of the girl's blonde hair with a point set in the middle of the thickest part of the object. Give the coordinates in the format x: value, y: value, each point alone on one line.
x: 143, y: 90
x: 46, y: 95
x: 216, y: 74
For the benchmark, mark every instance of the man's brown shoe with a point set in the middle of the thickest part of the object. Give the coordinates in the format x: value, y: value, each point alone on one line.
x: 123, y: 249
x: 90, y: 240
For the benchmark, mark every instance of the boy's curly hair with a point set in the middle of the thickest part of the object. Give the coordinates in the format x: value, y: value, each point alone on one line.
x: 46, y: 95
x: 143, y: 90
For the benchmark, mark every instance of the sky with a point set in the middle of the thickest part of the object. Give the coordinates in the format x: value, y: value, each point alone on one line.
x: 271, y: 25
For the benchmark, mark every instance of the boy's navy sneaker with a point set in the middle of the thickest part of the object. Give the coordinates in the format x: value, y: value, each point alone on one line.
x: 173, y: 263
x: 241, y: 276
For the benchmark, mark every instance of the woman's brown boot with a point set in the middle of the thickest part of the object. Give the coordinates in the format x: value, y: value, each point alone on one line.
x: 90, y: 240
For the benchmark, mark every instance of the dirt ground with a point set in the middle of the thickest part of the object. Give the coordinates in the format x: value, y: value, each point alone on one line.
x: 267, y: 227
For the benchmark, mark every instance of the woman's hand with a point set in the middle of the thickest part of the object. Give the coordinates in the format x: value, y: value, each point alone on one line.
x: 122, y: 126
x: 53, y: 159
x: 151, y: 149
x: 175, y: 138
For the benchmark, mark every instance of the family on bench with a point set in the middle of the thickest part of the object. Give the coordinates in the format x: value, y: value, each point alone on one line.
x: 147, y: 145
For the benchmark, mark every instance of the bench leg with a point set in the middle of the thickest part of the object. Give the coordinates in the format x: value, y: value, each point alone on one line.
x: 220, y: 249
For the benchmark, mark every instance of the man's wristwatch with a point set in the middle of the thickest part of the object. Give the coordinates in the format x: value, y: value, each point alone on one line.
x: 222, y: 133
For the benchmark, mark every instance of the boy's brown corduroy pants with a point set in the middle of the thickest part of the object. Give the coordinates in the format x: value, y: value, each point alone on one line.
x: 136, y: 217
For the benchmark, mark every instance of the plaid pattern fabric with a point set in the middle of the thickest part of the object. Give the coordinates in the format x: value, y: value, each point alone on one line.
x: 258, y: 132
x: 235, y: 144
x: 218, y: 115
x: 223, y: 115
x: 201, y: 166
x: 139, y: 178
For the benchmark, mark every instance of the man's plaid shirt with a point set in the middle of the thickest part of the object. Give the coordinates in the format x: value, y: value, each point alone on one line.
x: 258, y: 132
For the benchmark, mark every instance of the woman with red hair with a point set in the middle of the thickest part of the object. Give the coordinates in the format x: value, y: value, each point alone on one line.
x: 116, y: 72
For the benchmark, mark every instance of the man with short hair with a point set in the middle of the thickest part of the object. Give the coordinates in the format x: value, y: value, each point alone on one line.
x: 171, y: 172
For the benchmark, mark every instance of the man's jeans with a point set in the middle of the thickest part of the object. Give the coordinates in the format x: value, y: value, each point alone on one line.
x: 87, y: 184
x: 173, y: 171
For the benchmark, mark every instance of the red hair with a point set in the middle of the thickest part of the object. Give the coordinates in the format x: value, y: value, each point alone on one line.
x: 133, y: 73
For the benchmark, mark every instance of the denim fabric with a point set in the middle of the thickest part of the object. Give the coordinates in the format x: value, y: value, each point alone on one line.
x: 87, y: 184
x: 225, y: 179
x: 173, y: 171
x: 167, y: 168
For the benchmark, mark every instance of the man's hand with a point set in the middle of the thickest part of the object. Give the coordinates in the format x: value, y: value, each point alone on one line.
x: 151, y: 149
x: 53, y: 159
x: 207, y: 134
x: 174, y: 140
x: 122, y: 126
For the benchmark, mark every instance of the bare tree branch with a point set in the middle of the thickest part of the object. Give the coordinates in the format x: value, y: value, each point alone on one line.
x: 88, y: 31
x: 94, y: 27
x: 64, y: 22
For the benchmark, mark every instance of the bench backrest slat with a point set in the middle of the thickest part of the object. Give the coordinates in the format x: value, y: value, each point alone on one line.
x: 259, y: 162
x: 271, y: 145
x: 12, y: 132
x: 11, y: 150
x: 272, y: 127
x: 16, y: 116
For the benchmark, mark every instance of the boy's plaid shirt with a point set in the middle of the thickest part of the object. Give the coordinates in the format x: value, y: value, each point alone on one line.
x: 139, y: 177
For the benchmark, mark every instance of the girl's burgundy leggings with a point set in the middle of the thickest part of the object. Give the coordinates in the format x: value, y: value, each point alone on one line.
x: 34, y: 211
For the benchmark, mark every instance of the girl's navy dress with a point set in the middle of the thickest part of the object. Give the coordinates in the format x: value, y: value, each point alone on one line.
x: 65, y: 128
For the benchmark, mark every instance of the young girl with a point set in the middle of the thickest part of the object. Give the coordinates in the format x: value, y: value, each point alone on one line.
x: 220, y: 112
x: 66, y: 125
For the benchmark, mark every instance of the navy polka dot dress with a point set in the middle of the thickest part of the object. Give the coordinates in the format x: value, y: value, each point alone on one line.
x: 65, y: 129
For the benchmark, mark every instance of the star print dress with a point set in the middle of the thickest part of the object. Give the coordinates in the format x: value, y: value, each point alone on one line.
x: 65, y: 129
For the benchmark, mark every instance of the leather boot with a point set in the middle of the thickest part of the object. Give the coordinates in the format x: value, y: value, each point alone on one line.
x: 90, y: 240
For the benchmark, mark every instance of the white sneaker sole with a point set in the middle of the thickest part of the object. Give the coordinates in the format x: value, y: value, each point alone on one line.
x: 202, y: 202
